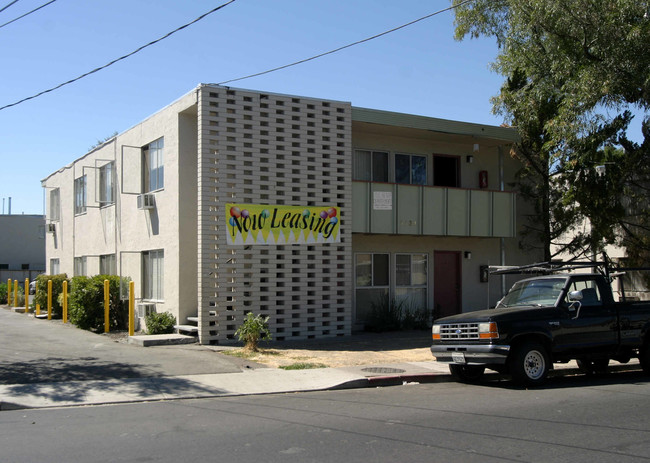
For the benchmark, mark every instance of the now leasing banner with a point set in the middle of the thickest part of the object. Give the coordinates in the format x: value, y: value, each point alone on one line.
x: 272, y: 225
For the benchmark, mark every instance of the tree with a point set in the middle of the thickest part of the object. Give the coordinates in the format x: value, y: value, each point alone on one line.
x: 574, y: 68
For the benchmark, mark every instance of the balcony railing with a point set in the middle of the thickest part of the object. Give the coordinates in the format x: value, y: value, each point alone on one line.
x: 424, y: 210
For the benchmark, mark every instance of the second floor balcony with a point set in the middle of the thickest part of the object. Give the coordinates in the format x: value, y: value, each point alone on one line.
x: 387, y: 208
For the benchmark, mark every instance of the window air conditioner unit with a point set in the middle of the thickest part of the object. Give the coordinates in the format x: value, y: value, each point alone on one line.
x: 145, y: 308
x: 146, y: 201
x: 51, y: 228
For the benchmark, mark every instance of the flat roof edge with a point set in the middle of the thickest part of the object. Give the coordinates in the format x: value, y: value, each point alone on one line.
x: 374, y: 116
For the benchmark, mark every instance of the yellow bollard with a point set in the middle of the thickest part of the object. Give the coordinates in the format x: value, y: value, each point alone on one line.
x: 38, y: 306
x: 49, y: 299
x: 9, y: 292
x: 131, y: 308
x: 26, y: 295
x: 65, y: 302
x: 15, y: 292
x: 106, y: 307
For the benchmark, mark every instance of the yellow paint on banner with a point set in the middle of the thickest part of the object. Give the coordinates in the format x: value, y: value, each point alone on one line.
x: 273, y: 225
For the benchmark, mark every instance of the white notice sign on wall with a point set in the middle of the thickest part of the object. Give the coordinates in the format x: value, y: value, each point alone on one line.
x: 382, y: 200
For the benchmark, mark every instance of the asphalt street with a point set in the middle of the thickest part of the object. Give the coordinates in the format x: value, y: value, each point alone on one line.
x: 574, y: 419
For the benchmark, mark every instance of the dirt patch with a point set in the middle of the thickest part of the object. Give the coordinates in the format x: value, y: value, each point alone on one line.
x: 343, y: 358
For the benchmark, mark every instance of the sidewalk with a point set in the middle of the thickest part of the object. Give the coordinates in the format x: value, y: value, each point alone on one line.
x: 181, y: 372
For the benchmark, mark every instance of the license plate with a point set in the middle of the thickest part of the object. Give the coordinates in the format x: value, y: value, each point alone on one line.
x: 458, y: 357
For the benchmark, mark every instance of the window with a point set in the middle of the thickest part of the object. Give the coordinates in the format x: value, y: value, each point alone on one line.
x: 153, y: 274
x: 153, y: 167
x: 80, y: 268
x: 107, y: 265
x: 411, y: 280
x: 80, y: 195
x: 107, y: 183
x: 55, y: 267
x: 590, y: 292
x: 446, y: 171
x: 371, y: 166
x: 410, y: 169
x: 53, y: 213
x: 372, y: 282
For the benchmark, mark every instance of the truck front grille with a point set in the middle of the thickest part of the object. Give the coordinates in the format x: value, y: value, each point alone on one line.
x: 455, y: 331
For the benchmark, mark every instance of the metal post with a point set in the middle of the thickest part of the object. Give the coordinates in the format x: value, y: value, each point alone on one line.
x: 49, y: 299
x: 9, y: 286
x: 26, y: 295
x: 106, y: 306
x: 15, y: 293
x: 65, y: 302
x: 131, y: 308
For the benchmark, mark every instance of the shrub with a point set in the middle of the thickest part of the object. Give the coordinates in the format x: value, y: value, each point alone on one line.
x: 86, y: 303
x: 57, y: 288
x: 3, y: 293
x: 254, y: 329
x: 392, y: 315
x: 160, y: 323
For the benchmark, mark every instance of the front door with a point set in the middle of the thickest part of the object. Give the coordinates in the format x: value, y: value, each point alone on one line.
x: 446, y: 283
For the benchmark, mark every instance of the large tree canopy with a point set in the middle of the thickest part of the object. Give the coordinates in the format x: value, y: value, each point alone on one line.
x: 574, y: 69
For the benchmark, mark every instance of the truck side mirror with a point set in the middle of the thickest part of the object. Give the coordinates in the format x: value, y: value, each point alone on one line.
x: 575, y: 295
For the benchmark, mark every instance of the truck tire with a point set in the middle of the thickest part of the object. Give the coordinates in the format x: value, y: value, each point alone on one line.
x: 529, y: 364
x: 467, y: 373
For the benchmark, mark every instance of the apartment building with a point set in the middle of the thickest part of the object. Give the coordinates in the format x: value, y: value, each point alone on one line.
x: 302, y: 209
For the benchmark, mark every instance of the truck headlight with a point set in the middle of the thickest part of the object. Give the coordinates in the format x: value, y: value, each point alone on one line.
x: 488, y: 330
x: 435, y: 332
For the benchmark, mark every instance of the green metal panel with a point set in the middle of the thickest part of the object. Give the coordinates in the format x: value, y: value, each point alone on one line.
x: 434, y: 211
x: 382, y: 208
x: 457, y: 212
x: 481, y: 213
x: 360, y: 207
x: 409, y: 209
x: 503, y: 215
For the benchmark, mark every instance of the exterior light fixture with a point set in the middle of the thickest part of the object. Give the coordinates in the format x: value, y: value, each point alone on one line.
x: 468, y: 255
x: 470, y: 159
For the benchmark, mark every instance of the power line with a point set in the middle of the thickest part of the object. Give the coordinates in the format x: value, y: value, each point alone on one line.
x: 7, y: 6
x: 368, y: 39
x: 116, y: 60
x: 26, y: 14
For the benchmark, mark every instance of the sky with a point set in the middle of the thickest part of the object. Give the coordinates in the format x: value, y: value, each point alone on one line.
x: 419, y: 69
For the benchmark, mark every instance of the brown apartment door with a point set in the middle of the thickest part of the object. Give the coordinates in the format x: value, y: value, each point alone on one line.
x: 446, y: 283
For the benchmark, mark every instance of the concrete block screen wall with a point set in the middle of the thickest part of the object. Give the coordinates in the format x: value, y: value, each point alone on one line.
x: 257, y: 148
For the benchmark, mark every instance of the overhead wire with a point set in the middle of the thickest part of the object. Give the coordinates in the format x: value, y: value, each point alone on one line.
x: 26, y: 14
x: 295, y: 63
x: 7, y: 6
x: 336, y: 50
x: 153, y: 42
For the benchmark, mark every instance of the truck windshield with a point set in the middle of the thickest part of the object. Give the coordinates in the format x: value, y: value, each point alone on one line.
x: 542, y: 292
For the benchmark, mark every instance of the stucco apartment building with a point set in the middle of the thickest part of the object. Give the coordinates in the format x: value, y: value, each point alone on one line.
x: 301, y: 209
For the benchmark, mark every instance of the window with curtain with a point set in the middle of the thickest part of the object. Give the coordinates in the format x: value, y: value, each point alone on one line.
x: 153, y: 166
x: 371, y: 165
x: 153, y: 275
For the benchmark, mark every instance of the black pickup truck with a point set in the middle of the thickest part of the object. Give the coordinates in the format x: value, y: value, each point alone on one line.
x: 541, y: 321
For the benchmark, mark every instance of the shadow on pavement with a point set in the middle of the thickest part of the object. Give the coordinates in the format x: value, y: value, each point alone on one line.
x: 362, y: 341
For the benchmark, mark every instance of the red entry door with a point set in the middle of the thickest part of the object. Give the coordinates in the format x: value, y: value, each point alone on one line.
x: 446, y: 283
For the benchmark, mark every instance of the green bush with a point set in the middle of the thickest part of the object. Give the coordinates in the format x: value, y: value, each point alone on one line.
x: 3, y: 293
x: 392, y: 315
x: 160, y: 323
x: 57, y: 288
x: 86, y: 303
x: 254, y: 329
x: 4, y: 299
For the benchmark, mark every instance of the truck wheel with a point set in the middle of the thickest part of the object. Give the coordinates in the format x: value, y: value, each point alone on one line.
x: 529, y: 364
x: 644, y: 357
x: 593, y: 367
x: 467, y: 373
